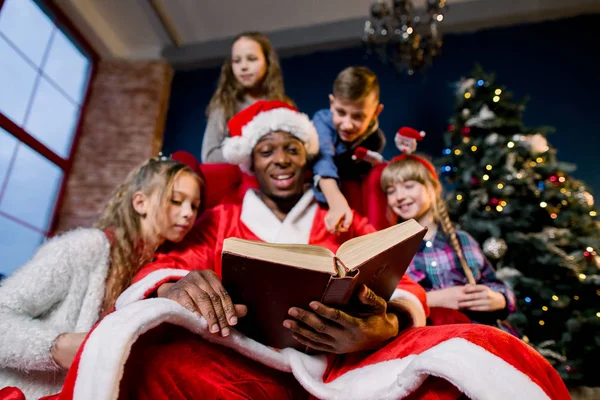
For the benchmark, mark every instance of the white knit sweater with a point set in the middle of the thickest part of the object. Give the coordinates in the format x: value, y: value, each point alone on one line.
x: 60, y: 290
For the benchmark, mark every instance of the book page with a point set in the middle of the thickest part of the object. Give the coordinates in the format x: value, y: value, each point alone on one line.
x: 297, y: 255
x: 358, y: 250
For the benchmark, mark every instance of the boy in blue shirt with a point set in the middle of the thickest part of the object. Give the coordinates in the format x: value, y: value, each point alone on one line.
x: 349, y: 124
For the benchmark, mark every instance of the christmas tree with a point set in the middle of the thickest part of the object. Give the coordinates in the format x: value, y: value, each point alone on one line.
x: 534, y: 221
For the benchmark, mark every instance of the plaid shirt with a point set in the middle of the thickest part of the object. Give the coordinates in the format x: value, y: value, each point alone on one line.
x: 436, y: 266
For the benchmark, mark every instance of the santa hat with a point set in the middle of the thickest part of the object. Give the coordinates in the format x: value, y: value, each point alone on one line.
x: 410, y: 133
x: 249, y: 125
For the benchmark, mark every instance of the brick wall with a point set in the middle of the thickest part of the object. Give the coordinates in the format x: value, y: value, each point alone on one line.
x: 122, y: 125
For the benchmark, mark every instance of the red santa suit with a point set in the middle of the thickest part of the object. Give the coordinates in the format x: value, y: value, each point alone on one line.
x: 152, y: 348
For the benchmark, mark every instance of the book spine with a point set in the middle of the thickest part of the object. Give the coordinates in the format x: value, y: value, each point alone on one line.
x: 339, y: 290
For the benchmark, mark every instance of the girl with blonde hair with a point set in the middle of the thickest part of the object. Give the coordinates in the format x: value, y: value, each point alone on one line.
x: 49, y: 304
x: 449, y: 264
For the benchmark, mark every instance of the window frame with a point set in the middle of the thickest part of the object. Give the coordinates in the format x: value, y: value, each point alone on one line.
x: 61, y: 21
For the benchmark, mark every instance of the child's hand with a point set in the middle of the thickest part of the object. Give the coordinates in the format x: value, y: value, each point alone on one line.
x: 448, y: 298
x: 65, y: 348
x: 339, y: 217
x: 481, y: 298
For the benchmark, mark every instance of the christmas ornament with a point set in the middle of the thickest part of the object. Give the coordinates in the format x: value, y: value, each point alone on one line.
x: 370, y: 156
x: 465, y: 85
x: 485, y: 114
x: 494, y: 248
x: 492, y: 139
x: 465, y: 113
x: 465, y: 131
x: 585, y: 199
x: 537, y: 144
x: 508, y: 273
x: 406, y: 139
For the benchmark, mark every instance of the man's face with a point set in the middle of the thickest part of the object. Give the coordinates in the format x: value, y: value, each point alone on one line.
x: 279, y: 164
x: 351, y: 119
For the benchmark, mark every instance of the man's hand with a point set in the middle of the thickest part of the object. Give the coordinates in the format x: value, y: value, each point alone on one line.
x: 65, y: 348
x: 481, y: 298
x: 202, y: 293
x: 331, y: 330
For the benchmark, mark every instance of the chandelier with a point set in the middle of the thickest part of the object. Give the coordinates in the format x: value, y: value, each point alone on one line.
x: 404, y: 36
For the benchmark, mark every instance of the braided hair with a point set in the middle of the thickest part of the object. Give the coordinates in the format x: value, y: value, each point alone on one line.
x: 414, y: 168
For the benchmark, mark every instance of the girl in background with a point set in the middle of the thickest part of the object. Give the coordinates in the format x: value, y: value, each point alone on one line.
x: 49, y: 304
x: 251, y: 73
x: 449, y: 264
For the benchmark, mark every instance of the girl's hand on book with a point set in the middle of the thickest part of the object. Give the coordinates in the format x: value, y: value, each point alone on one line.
x: 333, y: 331
x: 202, y: 293
x: 481, y: 298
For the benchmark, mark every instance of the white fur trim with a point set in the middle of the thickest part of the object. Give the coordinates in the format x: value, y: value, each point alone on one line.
x: 474, y: 370
x: 295, y: 228
x: 409, y: 303
x: 238, y: 149
x: 138, y: 290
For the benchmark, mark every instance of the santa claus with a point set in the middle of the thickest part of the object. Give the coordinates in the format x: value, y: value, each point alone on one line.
x: 173, y: 334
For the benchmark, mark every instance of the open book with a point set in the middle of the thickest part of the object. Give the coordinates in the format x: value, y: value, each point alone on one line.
x: 270, y: 278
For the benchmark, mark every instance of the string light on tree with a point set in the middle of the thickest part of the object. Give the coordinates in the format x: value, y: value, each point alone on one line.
x: 550, y: 217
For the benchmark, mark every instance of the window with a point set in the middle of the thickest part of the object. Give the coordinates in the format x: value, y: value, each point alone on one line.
x: 45, y: 71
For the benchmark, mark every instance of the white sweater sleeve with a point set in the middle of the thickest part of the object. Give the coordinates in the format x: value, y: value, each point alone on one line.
x: 32, y: 291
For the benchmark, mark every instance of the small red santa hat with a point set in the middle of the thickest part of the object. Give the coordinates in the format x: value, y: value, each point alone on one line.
x: 410, y: 133
x: 265, y: 116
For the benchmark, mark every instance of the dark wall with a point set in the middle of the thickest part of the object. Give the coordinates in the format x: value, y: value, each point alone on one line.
x: 555, y: 63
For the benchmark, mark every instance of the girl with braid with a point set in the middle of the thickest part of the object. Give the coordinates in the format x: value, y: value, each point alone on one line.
x: 449, y: 263
x: 50, y: 303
